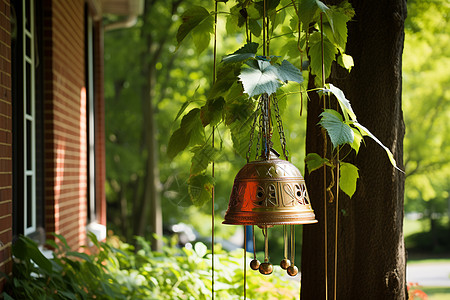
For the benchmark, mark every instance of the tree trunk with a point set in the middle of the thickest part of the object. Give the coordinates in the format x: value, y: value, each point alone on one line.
x: 371, y: 253
x: 150, y: 212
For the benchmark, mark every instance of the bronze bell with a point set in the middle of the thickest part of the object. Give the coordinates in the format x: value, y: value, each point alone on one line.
x: 269, y: 192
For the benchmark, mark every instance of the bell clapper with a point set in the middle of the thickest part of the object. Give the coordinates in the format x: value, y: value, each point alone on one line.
x: 285, y: 263
x: 292, y: 270
x: 254, y: 264
x: 266, y: 267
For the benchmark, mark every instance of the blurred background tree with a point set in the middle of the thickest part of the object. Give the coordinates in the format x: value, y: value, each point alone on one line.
x: 426, y: 104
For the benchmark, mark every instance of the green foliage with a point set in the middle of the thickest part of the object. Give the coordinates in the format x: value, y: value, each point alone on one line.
x: 348, y: 177
x: 117, y: 270
x: 190, y: 133
x: 426, y: 106
x: 339, y: 132
x: 199, y: 22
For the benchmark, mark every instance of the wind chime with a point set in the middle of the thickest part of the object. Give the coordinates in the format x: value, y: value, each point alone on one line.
x: 270, y: 191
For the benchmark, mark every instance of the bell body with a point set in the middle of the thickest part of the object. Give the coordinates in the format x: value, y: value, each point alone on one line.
x: 269, y: 192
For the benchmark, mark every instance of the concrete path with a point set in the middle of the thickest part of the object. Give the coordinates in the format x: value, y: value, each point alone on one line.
x: 429, y: 274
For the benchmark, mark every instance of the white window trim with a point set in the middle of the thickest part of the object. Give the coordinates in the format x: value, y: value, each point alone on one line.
x: 30, y: 60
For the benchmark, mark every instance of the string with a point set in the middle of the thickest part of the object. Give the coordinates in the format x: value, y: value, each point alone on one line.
x: 254, y: 243
x: 213, y: 164
x: 336, y: 225
x: 324, y: 170
x: 245, y: 262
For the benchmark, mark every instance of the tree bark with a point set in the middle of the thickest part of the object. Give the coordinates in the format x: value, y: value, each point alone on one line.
x: 150, y: 212
x: 371, y: 254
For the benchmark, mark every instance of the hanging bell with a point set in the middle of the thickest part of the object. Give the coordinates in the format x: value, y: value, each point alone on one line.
x: 269, y: 192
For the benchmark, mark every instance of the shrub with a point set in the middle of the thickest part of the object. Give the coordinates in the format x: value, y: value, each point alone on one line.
x: 115, y: 270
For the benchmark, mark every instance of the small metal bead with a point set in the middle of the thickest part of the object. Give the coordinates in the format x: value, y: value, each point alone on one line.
x: 292, y: 270
x: 254, y: 264
x: 266, y: 268
x: 285, y: 263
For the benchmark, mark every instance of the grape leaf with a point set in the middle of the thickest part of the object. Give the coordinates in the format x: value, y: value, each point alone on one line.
x: 343, y: 102
x: 203, y: 155
x: 201, y: 34
x: 244, y: 53
x: 329, y: 53
x: 345, y: 61
x: 314, y: 161
x: 212, y: 111
x: 308, y: 9
x: 365, y: 132
x: 357, y: 141
x: 200, y: 189
x: 198, y: 21
x: 348, y: 177
x: 259, y: 77
x: 338, y: 131
x: 288, y: 72
x: 191, y: 132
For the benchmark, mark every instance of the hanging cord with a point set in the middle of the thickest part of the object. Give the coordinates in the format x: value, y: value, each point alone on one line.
x: 245, y: 262
x: 213, y: 163
x: 254, y: 242
x: 292, y: 245
x: 336, y: 225
x: 325, y: 168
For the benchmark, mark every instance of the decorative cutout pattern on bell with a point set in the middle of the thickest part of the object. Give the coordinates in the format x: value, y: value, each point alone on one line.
x: 269, y: 192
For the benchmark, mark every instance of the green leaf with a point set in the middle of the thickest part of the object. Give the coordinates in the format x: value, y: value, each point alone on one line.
x: 19, y: 248
x: 345, y: 61
x: 308, y: 9
x: 226, y: 77
x: 288, y: 72
x: 255, y: 27
x: 348, y: 177
x: 365, y: 132
x: 203, y: 155
x: 343, y: 102
x: 191, y: 132
x: 259, y: 77
x: 338, y: 131
x: 211, y: 113
x: 200, y: 189
x: 314, y: 162
x: 36, y: 255
x: 357, y: 141
x: 336, y: 29
x: 240, y: 134
x: 198, y: 21
x: 247, y: 51
x: 6, y: 296
x: 329, y: 54
x: 201, y: 35
x: 177, y: 143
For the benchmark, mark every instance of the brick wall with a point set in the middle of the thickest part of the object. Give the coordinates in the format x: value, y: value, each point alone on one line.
x: 5, y: 141
x: 65, y: 120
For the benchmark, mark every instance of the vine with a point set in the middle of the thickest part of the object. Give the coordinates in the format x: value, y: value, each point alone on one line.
x: 245, y: 74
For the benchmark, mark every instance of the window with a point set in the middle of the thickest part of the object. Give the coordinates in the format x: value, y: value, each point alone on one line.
x: 89, y: 67
x: 27, y: 120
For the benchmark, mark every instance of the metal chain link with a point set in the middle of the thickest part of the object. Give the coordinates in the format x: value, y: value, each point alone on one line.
x: 252, y: 132
x: 265, y: 126
x: 280, y: 128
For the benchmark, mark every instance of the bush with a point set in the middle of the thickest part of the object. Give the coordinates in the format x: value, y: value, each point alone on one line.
x: 116, y: 271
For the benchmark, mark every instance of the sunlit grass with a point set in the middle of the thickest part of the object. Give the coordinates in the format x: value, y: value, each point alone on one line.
x: 437, y: 293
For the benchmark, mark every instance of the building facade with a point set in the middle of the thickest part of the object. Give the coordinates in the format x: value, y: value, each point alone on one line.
x: 52, y: 155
